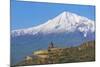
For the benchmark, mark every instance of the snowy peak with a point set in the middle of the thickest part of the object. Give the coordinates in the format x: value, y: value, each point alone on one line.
x: 64, y: 22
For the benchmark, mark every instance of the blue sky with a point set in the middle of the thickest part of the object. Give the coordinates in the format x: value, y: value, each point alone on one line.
x: 27, y: 14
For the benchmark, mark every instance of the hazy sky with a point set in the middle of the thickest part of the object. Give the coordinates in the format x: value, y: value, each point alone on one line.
x: 27, y: 14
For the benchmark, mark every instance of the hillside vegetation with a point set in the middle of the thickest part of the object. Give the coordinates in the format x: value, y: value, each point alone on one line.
x: 53, y: 55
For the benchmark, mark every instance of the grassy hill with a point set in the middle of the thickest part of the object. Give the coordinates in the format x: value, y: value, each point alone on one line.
x: 83, y: 53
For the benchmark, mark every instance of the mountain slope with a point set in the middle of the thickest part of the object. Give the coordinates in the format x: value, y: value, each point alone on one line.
x: 65, y: 22
x: 67, y: 29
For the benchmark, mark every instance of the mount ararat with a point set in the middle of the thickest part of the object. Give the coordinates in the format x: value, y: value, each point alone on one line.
x: 66, y: 29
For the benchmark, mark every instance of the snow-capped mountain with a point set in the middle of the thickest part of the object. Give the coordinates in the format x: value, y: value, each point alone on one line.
x: 66, y: 22
x: 67, y: 29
